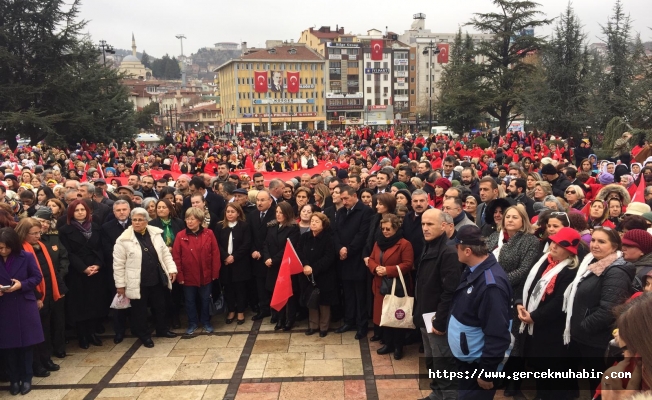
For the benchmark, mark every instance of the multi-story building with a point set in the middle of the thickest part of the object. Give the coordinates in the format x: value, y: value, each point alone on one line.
x: 315, y: 38
x: 428, y: 73
x: 344, y: 97
x: 244, y: 109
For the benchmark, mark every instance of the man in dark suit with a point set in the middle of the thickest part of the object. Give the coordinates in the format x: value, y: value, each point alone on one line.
x: 214, y: 201
x: 100, y: 211
x: 111, y: 230
x: 351, y: 231
x: 516, y: 189
x: 258, y: 220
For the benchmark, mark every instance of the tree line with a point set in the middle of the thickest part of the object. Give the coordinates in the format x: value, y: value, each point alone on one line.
x: 558, y: 85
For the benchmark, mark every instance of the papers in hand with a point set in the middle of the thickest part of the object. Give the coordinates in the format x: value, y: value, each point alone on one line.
x: 427, y: 320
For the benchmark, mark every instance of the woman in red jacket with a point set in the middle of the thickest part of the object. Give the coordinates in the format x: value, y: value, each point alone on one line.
x: 197, y: 257
x: 390, y: 253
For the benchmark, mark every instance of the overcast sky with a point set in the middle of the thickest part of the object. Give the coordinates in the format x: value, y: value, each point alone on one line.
x: 205, y: 22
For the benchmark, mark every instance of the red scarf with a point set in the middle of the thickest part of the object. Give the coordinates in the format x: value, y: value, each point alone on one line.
x: 41, y: 286
x: 551, y: 285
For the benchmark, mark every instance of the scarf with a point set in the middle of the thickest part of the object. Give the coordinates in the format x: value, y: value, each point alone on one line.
x: 168, y: 235
x: 229, y: 248
x: 584, y: 270
x: 502, y: 239
x: 385, y: 243
x: 544, y: 286
x: 85, y: 228
x: 41, y: 286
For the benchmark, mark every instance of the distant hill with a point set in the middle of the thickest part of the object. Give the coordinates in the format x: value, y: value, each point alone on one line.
x: 206, y: 56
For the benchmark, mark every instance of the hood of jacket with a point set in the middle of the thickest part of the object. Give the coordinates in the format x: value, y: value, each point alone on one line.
x: 622, y: 192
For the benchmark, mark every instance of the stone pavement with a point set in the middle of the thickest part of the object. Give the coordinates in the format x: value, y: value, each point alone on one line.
x: 249, y: 361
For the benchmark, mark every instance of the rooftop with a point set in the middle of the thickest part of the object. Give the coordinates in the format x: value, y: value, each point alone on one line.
x: 285, y: 52
x: 325, y: 32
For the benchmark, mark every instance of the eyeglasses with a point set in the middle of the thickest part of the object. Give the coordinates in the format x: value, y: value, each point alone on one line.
x: 386, y: 229
x: 604, y: 228
x: 570, y: 192
x: 138, y: 220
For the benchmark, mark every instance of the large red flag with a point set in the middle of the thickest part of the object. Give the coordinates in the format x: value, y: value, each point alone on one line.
x: 293, y: 82
x: 175, y: 165
x: 442, y: 57
x: 289, y: 266
x: 639, y: 196
x: 377, y: 50
x: 260, y: 81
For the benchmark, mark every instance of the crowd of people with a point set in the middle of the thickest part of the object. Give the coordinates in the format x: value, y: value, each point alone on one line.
x: 527, y: 253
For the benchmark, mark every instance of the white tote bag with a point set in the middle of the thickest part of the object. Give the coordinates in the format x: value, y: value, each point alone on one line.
x: 397, y: 311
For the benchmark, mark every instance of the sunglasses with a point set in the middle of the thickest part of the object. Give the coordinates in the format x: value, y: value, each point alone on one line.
x: 560, y: 214
x: 566, y: 243
x: 570, y: 192
x: 604, y: 228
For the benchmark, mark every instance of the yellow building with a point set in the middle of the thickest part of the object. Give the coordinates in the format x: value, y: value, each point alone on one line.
x: 315, y: 38
x: 132, y: 66
x: 277, y: 109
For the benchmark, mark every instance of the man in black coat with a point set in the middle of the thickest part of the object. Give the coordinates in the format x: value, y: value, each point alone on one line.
x: 517, y: 188
x: 111, y: 230
x: 258, y: 220
x: 351, y: 231
x: 412, y: 224
x: 214, y: 201
x: 100, y: 211
x: 438, y: 276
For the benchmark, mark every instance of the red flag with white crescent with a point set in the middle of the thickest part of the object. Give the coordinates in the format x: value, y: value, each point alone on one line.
x: 293, y: 82
x: 260, y: 81
x: 377, y: 50
x: 290, y: 265
x: 442, y: 57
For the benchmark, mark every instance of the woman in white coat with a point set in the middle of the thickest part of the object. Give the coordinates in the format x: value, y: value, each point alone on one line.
x: 143, y: 269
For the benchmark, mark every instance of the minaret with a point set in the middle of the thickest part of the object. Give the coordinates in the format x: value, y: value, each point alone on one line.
x: 133, y: 45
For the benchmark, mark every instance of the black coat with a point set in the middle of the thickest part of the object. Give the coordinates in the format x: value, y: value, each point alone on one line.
x: 596, y: 297
x: 374, y: 230
x: 549, y: 318
x: 413, y: 233
x: 87, y: 295
x: 319, y: 253
x: 59, y: 256
x: 110, y: 233
x: 274, y: 247
x: 240, y: 269
x: 214, y: 202
x: 177, y: 225
x: 258, y: 236
x: 439, y: 275
x: 351, y: 231
x: 101, y: 212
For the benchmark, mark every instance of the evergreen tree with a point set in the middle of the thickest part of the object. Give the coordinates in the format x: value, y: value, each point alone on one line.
x: 556, y: 93
x: 51, y: 83
x: 144, y: 118
x: 166, y: 68
x: 458, y: 106
x: 504, y: 72
x: 641, y: 115
x: 145, y: 60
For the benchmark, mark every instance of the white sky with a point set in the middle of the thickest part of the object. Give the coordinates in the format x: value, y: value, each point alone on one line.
x: 205, y: 22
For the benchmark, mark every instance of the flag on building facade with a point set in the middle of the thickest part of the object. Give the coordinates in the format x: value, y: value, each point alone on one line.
x: 377, y: 50
x: 442, y: 57
x: 260, y: 81
x: 293, y: 81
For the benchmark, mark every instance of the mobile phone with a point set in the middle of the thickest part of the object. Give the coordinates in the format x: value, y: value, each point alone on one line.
x: 3, y: 288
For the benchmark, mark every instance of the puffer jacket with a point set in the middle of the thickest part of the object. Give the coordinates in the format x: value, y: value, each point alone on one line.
x: 596, y: 297
x: 128, y: 259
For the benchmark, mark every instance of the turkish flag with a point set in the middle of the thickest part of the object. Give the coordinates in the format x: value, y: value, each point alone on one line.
x: 289, y: 266
x: 293, y: 82
x: 639, y: 196
x: 442, y: 57
x: 376, y: 50
x: 260, y: 80
x: 175, y: 165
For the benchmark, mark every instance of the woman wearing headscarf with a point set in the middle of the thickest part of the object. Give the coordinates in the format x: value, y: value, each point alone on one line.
x: 539, y: 308
x: 87, y: 297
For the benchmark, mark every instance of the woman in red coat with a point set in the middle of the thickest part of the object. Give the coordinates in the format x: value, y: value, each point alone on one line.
x: 390, y: 253
x: 197, y: 257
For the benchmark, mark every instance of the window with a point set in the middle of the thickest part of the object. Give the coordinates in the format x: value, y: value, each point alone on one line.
x: 368, y: 77
x: 412, y: 56
x: 411, y: 80
x: 368, y: 65
x: 385, y: 65
x: 411, y: 67
x: 385, y: 77
x: 369, y: 102
x: 377, y: 64
x: 385, y: 90
x: 411, y: 91
x: 368, y: 89
x: 386, y: 102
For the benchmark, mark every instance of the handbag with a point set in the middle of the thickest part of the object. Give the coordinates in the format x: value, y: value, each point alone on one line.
x: 386, y: 283
x: 218, y: 306
x: 311, y: 295
x: 397, y: 311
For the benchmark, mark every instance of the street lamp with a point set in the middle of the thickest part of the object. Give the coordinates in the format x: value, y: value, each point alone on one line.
x: 106, y: 48
x: 430, y: 49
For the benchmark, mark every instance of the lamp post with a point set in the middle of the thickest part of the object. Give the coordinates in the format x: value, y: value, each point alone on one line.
x: 430, y: 49
x: 106, y: 48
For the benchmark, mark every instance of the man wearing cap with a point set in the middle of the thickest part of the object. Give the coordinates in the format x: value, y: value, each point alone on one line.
x: 478, y: 328
x: 637, y: 208
x: 439, y: 274
x: 637, y: 249
x: 559, y: 182
x: 101, y: 183
x: 241, y: 196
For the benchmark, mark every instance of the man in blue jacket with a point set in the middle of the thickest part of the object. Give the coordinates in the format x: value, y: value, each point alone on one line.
x: 478, y: 328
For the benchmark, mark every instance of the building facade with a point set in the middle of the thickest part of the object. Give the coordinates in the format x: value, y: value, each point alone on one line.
x: 132, y: 67
x: 244, y: 109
